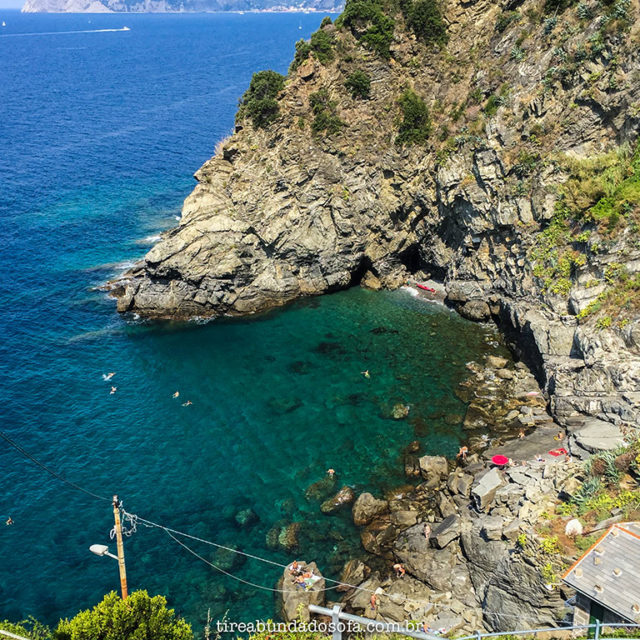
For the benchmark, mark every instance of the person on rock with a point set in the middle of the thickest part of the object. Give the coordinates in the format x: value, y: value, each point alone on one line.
x: 462, y: 453
x: 399, y: 569
x: 373, y: 601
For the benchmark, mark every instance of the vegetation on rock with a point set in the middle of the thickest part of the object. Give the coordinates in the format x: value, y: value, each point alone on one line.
x: 416, y: 123
x: 324, y: 110
x: 370, y: 23
x: 259, y: 101
x: 599, y: 202
x: 321, y: 45
x: 424, y: 17
x: 359, y: 84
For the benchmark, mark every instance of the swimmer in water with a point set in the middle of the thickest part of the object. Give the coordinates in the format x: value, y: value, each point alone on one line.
x: 107, y: 376
x: 176, y: 394
x: 187, y: 403
x: 366, y: 373
x: 113, y: 390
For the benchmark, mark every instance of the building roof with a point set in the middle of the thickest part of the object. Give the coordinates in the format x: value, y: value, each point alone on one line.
x: 608, y: 573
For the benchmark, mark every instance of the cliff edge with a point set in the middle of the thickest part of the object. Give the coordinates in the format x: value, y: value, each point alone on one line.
x: 491, y: 145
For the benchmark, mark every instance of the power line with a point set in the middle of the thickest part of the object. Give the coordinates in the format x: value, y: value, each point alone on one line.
x: 135, y: 519
x: 227, y: 573
x: 15, y: 445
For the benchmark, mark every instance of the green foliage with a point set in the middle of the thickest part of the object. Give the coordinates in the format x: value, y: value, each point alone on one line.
x: 521, y: 540
x: 550, y: 546
x: 505, y: 19
x: 424, y: 17
x: 416, y: 123
x: 492, y: 104
x: 326, y: 21
x: 137, y: 618
x: 548, y: 574
x: 368, y: 15
x: 584, y: 542
x: 324, y: 111
x: 259, y: 101
x: 29, y: 628
x: 604, y: 189
x: 303, y: 51
x: 321, y: 45
x: 359, y: 84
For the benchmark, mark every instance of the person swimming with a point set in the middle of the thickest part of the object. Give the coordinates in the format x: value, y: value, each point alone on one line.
x: 113, y: 390
x: 176, y: 394
x: 366, y: 373
x: 107, y: 376
x: 188, y: 403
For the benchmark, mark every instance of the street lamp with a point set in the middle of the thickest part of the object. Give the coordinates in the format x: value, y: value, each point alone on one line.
x: 103, y: 550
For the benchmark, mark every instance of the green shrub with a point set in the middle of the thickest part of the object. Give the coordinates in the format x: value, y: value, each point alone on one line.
x: 326, y: 21
x: 492, y: 104
x: 321, y: 45
x: 303, y: 51
x: 359, y: 84
x: 505, y: 19
x: 324, y: 111
x: 416, y: 123
x: 259, y: 101
x: 424, y: 17
x: 29, y: 628
x: 139, y: 617
x: 368, y: 22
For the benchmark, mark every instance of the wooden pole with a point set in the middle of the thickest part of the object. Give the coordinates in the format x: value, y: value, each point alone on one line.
x: 123, y: 571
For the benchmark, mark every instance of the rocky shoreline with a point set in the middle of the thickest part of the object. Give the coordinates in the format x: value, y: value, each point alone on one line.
x: 473, y: 572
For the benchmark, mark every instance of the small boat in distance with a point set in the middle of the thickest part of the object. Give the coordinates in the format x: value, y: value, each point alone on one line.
x: 4, y: 24
x: 126, y: 29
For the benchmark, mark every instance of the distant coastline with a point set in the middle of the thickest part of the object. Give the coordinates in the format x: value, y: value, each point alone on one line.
x: 153, y: 6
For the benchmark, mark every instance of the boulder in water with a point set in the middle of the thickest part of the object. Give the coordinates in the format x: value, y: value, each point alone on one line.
x: 294, y: 598
x: 366, y: 508
x: 344, y: 497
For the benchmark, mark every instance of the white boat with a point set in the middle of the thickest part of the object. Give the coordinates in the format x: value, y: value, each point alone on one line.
x: 126, y: 29
x: 4, y: 24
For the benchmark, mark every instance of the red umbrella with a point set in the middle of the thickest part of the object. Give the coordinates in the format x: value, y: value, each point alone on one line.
x: 500, y: 460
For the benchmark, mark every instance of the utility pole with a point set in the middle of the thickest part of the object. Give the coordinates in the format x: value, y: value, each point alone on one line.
x: 121, y: 567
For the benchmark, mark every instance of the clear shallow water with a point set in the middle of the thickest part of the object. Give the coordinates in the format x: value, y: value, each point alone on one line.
x: 99, y: 136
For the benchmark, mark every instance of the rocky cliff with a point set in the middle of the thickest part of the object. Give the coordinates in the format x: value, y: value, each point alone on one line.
x: 492, y: 145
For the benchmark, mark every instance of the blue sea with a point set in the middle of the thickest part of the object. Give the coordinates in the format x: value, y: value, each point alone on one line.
x: 100, y: 133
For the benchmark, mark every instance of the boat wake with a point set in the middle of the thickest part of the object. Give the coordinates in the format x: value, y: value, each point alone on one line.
x: 58, y: 33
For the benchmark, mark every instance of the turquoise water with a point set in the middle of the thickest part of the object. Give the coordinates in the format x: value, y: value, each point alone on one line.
x: 99, y: 135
